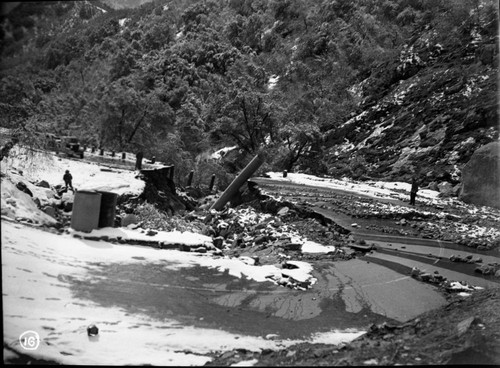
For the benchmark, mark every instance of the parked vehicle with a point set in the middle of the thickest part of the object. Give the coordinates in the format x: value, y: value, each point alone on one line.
x: 52, y: 141
x: 71, y: 146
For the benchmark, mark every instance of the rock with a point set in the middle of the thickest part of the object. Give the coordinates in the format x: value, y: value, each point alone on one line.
x: 481, y: 177
x: 426, y: 276
x: 184, y: 248
x: 454, y: 258
x: 283, y: 211
x: 129, y: 219
x: 218, y: 242
x: 247, y: 260
x: 49, y: 210
x: 260, y: 239
x: 277, y: 222
x: 237, y: 242
x: 68, y: 207
x: 151, y: 232
x: 23, y: 188
x: 200, y: 250
x: 463, y: 326
x: 485, y: 54
x: 289, y: 266
x: 43, y: 184
x: 291, y: 246
x: 433, y: 186
x: 446, y: 189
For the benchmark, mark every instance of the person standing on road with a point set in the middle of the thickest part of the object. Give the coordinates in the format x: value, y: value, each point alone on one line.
x: 413, y: 190
x: 67, y: 180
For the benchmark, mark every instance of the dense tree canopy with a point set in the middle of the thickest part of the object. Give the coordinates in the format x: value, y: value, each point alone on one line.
x: 196, y: 73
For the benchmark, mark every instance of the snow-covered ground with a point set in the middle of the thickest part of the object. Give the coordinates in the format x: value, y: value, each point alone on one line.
x: 37, y: 267
x: 38, y: 165
x: 376, y: 189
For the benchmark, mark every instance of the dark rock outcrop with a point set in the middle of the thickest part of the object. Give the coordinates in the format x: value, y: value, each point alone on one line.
x: 481, y: 177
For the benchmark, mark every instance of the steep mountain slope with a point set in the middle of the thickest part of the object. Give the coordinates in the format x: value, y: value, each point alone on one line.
x: 427, y: 112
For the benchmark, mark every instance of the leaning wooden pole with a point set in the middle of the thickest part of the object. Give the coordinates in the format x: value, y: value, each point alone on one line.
x: 233, y: 188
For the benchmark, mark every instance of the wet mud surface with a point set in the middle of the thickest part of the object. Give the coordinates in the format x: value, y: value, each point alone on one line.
x: 208, y: 298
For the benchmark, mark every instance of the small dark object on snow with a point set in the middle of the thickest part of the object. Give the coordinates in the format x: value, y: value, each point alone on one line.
x: 92, y: 330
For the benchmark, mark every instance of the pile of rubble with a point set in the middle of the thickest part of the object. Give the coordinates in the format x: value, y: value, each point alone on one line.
x: 449, y: 220
x: 441, y: 281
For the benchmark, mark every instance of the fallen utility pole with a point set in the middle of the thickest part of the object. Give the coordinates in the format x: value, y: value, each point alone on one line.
x: 233, y: 188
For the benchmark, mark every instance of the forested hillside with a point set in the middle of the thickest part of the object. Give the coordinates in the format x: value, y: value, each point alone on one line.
x: 363, y: 88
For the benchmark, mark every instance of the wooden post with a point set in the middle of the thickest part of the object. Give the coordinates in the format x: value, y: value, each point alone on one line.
x: 238, y: 182
x: 190, y: 178
x: 101, y: 153
x: 285, y: 173
x: 112, y: 153
x: 212, y: 182
x: 138, y: 160
x: 93, y: 149
x: 123, y: 155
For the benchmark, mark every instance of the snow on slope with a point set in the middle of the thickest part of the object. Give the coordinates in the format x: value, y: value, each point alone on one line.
x: 36, y: 166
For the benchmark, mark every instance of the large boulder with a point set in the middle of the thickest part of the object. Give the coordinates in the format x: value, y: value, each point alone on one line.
x: 481, y: 177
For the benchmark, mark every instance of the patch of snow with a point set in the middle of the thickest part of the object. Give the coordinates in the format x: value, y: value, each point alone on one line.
x: 167, y: 237
x: 336, y: 337
x: 313, y: 247
x: 355, y: 118
x: 272, y: 81
x: 217, y: 155
x: 15, y: 204
x: 369, y: 188
x: 123, y: 21
x: 245, y: 363
x: 346, y: 146
x: 376, y: 133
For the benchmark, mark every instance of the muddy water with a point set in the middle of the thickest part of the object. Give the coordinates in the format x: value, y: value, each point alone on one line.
x: 204, y: 297
x: 351, y: 294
